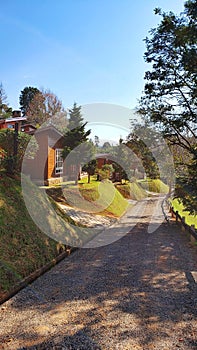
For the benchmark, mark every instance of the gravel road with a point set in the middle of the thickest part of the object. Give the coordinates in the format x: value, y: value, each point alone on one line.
x: 138, y: 293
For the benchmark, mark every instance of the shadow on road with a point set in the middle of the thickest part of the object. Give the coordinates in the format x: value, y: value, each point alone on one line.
x: 143, y: 278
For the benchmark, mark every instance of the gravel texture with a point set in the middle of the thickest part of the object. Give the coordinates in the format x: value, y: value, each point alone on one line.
x: 83, y: 218
x: 138, y: 293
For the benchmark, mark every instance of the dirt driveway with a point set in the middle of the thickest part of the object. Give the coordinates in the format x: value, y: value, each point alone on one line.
x: 136, y: 293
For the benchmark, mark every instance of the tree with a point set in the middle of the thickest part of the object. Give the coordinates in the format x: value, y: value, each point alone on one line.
x: 26, y: 96
x: 139, y: 141
x: 96, y: 141
x: 45, y: 107
x: 77, y: 149
x: 5, y: 110
x: 170, y: 93
x: 90, y: 168
x: 76, y: 119
x: 106, y: 172
x: 10, y: 161
x: 186, y: 187
x: 36, y: 112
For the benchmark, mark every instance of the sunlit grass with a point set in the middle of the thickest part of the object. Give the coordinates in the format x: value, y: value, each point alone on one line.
x: 132, y: 191
x: 154, y: 185
x: 23, y: 246
x: 189, y: 219
x: 94, y: 197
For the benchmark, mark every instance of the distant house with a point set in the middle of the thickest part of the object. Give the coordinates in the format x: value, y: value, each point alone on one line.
x: 9, y: 123
x: 102, y: 159
x: 28, y: 129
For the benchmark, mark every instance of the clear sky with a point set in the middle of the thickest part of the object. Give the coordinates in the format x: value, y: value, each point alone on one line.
x: 82, y: 50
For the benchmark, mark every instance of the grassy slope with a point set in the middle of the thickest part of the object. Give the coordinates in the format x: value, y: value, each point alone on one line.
x: 132, y: 190
x: 96, y: 197
x: 189, y: 219
x: 23, y: 247
x: 154, y: 185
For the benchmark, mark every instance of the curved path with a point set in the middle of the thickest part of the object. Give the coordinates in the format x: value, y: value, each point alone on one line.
x: 136, y: 293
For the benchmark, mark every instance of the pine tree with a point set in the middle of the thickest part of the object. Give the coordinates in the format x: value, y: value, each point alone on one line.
x: 76, y: 140
x: 76, y: 119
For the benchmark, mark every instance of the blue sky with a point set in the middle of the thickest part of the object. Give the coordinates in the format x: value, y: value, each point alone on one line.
x: 82, y: 50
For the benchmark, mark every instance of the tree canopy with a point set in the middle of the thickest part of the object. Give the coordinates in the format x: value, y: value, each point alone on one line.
x: 75, y: 117
x: 42, y: 106
x: 76, y: 140
x: 26, y: 96
x: 5, y: 110
x: 170, y: 93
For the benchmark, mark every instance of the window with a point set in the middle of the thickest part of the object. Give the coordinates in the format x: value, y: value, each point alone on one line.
x: 58, y: 161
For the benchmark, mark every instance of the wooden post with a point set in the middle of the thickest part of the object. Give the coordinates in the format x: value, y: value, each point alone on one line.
x: 183, y: 223
x: 192, y: 238
x: 15, y: 145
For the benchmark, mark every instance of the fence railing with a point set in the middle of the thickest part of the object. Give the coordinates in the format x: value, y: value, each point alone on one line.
x: 181, y: 221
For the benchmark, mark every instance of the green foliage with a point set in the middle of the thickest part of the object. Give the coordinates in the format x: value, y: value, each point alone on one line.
x: 154, y: 185
x: 96, y: 141
x: 132, y: 191
x: 90, y: 168
x: 43, y: 106
x: 23, y: 247
x: 178, y: 205
x: 91, y: 193
x: 187, y: 187
x: 9, y: 161
x: 26, y: 96
x: 76, y: 140
x: 140, y: 141
x: 106, y: 171
x: 75, y: 117
x: 170, y: 93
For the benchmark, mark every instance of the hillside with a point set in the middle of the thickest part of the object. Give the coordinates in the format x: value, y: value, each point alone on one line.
x: 96, y: 197
x: 154, y: 185
x: 23, y: 246
x: 132, y: 190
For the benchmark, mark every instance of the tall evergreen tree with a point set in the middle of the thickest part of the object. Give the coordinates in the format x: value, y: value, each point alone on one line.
x: 76, y: 140
x: 75, y: 117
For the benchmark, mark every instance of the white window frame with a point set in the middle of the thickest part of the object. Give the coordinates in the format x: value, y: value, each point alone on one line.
x: 58, y: 161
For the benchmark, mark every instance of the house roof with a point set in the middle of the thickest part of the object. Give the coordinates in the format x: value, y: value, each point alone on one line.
x: 102, y: 155
x: 50, y: 129
x: 31, y: 125
x: 15, y: 119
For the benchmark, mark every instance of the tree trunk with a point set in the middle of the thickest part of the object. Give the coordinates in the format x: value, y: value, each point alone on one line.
x: 88, y: 178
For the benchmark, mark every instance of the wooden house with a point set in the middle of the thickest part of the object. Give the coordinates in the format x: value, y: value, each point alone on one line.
x: 47, y: 166
x: 28, y: 129
x: 102, y: 159
x: 9, y: 123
